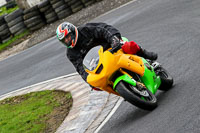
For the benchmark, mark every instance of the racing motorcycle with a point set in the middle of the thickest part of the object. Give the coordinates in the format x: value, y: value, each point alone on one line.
x: 132, y: 77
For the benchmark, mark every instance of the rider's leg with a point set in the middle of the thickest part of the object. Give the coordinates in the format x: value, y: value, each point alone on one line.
x: 146, y: 54
x: 133, y: 48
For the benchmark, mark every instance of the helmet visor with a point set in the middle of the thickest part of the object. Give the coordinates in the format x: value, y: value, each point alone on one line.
x: 67, y: 40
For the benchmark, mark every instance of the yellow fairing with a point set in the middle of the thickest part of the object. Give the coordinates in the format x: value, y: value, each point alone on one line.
x: 111, y: 63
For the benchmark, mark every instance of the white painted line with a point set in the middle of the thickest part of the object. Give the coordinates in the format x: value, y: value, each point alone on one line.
x: 110, y: 114
x: 116, y: 9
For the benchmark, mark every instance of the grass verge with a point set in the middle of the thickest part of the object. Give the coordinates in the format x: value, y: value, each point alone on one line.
x: 35, y: 112
x: 9, y: 43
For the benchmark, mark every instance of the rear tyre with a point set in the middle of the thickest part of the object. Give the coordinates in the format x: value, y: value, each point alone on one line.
x: 128, y: 92
x: 166, y: 79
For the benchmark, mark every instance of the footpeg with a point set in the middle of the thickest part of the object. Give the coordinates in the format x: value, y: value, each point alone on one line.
x: 155, y: 65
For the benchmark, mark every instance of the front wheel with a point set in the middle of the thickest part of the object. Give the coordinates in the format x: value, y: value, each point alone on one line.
x: 141, y: 98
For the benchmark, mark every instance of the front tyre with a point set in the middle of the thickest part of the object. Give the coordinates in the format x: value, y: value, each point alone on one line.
x: 141, y: 98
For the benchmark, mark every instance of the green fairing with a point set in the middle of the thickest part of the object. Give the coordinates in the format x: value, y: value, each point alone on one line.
x: 150, y: 79
x: 125, y: 78
x: 125, y: 39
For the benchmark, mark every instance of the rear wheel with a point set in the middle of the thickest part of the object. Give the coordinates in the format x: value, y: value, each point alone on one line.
x: 138, y: 96
x: 166, y: 79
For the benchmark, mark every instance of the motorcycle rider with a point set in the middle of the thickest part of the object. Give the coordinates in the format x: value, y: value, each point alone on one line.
x: 79, y: 40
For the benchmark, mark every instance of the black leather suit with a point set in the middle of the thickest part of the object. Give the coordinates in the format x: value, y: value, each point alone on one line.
x: 89, y: 36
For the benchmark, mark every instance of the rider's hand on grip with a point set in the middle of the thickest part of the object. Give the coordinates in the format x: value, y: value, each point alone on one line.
x: 116, y: 44
x: 115, y: 41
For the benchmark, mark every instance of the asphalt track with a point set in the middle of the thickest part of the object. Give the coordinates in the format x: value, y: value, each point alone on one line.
x: 169, y: 27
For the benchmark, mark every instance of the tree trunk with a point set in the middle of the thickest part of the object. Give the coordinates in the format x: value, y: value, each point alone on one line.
x: 23, y: 4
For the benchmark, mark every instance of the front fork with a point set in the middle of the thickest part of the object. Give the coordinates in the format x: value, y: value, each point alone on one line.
x: 127, y: 78
x: 138, y: 86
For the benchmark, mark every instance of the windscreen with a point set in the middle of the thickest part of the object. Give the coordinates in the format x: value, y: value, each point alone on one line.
x: 91, y: 59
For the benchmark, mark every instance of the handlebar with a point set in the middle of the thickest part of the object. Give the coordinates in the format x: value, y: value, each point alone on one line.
x: 116, y: 48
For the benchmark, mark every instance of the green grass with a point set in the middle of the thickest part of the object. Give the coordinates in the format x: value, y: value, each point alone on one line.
x: 9, y: 42
x: 29, y: 114
x: 5, y: 11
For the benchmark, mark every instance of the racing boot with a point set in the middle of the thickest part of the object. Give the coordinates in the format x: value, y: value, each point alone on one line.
x: 146, y: 54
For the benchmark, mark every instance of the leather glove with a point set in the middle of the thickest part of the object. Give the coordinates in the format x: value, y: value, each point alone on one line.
x: 115, y: 42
